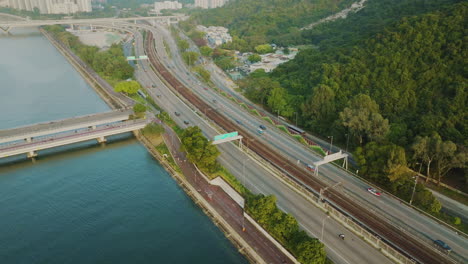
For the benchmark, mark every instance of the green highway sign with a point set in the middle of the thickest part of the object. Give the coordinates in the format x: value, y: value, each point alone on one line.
x: 143, y: 57
x: 131, y: 58
x: 224, y: 136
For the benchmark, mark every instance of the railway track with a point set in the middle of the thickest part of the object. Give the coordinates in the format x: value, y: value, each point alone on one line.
x: 398, y: 239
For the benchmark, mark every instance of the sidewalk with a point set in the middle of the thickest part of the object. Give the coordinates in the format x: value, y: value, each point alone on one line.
x: 224, y: 205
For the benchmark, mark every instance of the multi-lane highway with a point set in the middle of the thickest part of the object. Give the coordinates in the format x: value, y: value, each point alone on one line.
x: 260, y: 180
x: 407, y: 218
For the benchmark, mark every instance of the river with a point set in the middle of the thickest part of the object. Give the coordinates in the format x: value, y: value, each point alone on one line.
x: 87, y: 203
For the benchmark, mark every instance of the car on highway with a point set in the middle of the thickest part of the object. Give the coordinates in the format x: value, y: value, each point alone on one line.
x: 214, y: 101
x: 373, y: 191
x: 177, y: 113
x: 238, y: 122
x: 441, y: 245
x: 186, y: 122
x: 205, y: 88
x: 310, y: 167
x: 260, y: 131
x: 154, y: 85
x: 263, y: 127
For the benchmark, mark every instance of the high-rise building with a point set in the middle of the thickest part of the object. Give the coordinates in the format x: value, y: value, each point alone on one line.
x: 52, y: 6
x: 158, y: 6
x: 209, y: 3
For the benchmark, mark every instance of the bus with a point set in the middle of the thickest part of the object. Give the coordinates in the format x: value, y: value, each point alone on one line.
x: 296, y: 130
x: 142, y: 94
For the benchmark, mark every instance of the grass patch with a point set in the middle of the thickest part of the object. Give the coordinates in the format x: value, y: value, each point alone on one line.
x: 244, y: 106
x: 223, y: 93
x: 233, y: 99
x: 283, y: 128
x: 255, y: 112
x: 138, y: 98
x: 268, y: 119
x: 318, y: 149
x: 233, y: 181
x: 162, y: 149
x: 300, y: 139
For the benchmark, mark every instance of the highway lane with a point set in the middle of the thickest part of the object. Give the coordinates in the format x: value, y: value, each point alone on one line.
x: 408, y: 218
x: 262, y: 181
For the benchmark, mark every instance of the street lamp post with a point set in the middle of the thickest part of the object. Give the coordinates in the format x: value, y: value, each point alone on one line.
x: 331, y: 143
x: 277, y: 117
x: 323, y: 227
x: 415, y: 182
x: 347, y: 141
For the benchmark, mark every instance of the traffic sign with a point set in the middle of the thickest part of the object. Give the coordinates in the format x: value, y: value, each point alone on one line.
x: 225, y: 136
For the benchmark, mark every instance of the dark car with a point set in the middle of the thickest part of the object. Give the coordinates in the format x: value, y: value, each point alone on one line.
x: 442, y: 246
x: 238, y: 122
x: 154, y: 85
x: 186, y: 122
x: 263, y: 127
x: 177, y: 113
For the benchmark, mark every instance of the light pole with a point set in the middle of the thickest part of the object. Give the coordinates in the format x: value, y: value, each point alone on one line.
x: 331, y: 143
x: 415, y: 182
x: 347, y: 141
x: 323, y: 227
x: 277, y: 117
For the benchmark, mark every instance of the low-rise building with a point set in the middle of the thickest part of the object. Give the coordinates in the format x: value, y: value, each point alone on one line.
x: 172, y: 5
x: 215, y: 36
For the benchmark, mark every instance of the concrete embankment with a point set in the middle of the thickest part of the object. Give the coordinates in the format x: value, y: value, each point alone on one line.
x: 114, y: 101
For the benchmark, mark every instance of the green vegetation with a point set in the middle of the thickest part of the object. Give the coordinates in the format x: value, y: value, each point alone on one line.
x: 139, y: 108
x: 190, y: 57
x: 110, y: 64
x: 264, y: 49
x: 204, y: 74
x: 183, y: 44
x: 128, y: 87
x: 206, y: 51
x: 263, y: 21
x: 268, y: 119
x: 285, y: 229
x: 254, y: 58
x: 199, y: 150
x: 153, y: 129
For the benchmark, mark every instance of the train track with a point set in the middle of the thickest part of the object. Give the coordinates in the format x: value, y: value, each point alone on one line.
x: 398, y: 239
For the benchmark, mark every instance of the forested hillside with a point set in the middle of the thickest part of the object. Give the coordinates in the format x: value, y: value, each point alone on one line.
x: 260, y: 21
x: 403, y: 87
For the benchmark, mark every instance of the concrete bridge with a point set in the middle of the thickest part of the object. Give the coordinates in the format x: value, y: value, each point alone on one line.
x: 30, y: 139
x: 7, y: 25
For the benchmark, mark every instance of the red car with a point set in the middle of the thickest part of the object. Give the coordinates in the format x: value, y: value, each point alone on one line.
x: 373, y: 191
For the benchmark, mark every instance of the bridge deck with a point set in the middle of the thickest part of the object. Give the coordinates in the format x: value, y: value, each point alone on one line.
x: 52, y: 127
x: 71, y: 137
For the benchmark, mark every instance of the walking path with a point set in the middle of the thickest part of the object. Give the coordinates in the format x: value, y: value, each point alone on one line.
x: 224, y: 205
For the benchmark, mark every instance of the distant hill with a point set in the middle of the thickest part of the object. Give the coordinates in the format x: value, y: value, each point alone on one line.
x: 260, y: 21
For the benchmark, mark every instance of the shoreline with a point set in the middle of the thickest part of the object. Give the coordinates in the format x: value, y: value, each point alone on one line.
x: 243, y: 247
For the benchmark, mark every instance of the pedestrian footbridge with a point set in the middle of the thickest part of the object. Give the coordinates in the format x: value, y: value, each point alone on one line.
x: 30, y: 139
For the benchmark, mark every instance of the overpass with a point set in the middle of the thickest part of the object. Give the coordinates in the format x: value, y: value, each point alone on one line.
x: 7, y: 25
x: 30, y: 139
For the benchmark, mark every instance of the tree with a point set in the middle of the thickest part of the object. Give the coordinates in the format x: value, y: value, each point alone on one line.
x: 128, y: 87
x: 139, y: 108
x: 203, y: 73
x: 310, y: 251
x: 263, y: 49
x: 206, y: 51
x: 277, y: 101
x: 199, y: 150
x: 225, y: 62
x: 190, y: 57
x: 254, y: 58
x: 321, y: 105
x: 183, y: 44
x: 363, y: 119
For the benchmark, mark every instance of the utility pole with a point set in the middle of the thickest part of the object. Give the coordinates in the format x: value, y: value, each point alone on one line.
x: 323, y: 227
x: 347, y: 141
x: 331, y: 144
x: 296, y: 118
x: 415, y: 182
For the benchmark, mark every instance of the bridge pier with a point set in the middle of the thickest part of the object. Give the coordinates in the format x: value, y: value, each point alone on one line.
x: 32, y: 154
x: 101, y: 139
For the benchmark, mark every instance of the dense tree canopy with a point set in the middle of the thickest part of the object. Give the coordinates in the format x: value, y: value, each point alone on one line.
x: 258, y: 22
x: 199, y: 150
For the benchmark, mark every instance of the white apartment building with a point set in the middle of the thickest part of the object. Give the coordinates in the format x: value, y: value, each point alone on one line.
x: 209, y: 3
x: 52, y: 6
x: 158, y: 6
